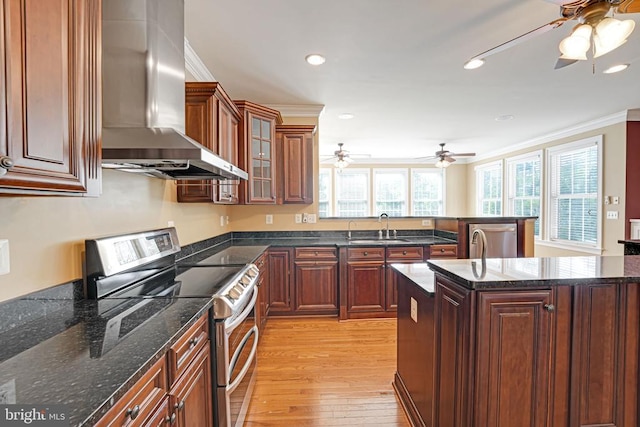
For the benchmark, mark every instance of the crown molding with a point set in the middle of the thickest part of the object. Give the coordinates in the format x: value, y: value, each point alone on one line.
x: 609, y: 120
x: 304, y: 110
x: 194, y: 64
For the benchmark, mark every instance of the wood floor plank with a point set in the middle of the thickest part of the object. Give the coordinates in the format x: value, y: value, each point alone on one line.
x: 322, y: 372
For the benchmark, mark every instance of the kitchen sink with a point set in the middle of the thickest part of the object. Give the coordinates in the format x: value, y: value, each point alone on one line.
x: 376, y: 241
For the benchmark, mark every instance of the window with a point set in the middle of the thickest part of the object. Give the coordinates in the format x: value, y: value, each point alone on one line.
x: 575, y: 182
x: 523, y: 187
x: 324, y: 193
x: 390, y: 191
x: 489, y: 189
x: 352, y: 193
x: 427, y: 192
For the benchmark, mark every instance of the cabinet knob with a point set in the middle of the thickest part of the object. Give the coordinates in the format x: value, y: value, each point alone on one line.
x: 404, y: 252
x: 549, y: 307
x: 6, y: 163
x: 366, y: 253
x: 441, y: 249
x: 171, y: 420
x: 316, y: 253
x: 193, y: 342
x: 134, y: 412
x: 179, y: 406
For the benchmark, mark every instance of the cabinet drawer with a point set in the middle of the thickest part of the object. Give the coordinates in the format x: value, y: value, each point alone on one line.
x: 444, y: 251
x: 261, y: 262
x: 366, y: 254
x: 406, y: 253
x: 186, y: 348
x: 140, y: 401
x: 316, y: 253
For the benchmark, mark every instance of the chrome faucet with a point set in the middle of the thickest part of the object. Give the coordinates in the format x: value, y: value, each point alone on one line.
x: 474, y: 240
x: 380, y: 221
x: 349, y: 229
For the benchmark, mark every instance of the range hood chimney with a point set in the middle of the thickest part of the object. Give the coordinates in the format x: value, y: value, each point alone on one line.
x: 144, y: 97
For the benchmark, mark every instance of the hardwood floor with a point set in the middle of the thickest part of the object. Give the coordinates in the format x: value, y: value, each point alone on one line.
x: 321, y: 372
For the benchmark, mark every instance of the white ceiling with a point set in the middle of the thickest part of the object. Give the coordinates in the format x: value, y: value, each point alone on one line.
x: 397, y: 66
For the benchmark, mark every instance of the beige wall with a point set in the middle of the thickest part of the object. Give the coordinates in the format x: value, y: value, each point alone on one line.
x: 46, y: 234
x: 614, y: 157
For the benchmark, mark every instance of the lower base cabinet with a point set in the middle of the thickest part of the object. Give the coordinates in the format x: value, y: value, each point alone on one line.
x: 565, y: 356
x: 175, y: 391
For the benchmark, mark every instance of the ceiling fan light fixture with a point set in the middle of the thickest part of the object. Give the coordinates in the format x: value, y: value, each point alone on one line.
x: 341, y: 163
x: 473, y: 63
x: 442, y: 163
x: 577, y: 44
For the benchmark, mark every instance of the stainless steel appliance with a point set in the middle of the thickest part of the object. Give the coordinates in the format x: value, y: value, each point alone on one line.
x: 143, y: 94
x: 501, y: 240
x: 124, y: 273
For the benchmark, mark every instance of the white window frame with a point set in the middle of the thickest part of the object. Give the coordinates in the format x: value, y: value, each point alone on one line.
x: 435, y: 171
x: 383, y: 171
x: 330, y: 173
x: 510, y: 182
x: 479, y: 170
x: 368, y: 187
x: 556, y: 150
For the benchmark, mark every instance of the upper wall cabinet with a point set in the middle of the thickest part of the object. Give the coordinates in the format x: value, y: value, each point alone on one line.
x: 295, y: 163
x: 50, y: 114
x: 212, y: 120
x: 257, y: 152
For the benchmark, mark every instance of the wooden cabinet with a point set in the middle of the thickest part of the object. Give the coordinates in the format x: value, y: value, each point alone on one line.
x: 262, y: 305
x: 295, y: 163
x: 176, y: 390
x: 366, y: 282
x: 279, y: 260
x: 315, y: 280
x: 212, y: 119
x: 443, y: 251
x: 400, y: 255
x: 50, y: 111
x: 257, y: 152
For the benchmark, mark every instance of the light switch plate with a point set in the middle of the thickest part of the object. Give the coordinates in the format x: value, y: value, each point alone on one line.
x: 4, y: 257
x: 298, y: 218
x: 269, y: 219
x: 612, y: 214
x: 414, y: 310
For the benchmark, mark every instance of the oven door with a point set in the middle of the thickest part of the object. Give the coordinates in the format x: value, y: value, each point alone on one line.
x: 235, y: 369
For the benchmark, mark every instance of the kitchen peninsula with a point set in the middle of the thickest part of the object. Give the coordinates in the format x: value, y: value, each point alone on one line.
x: 519, y: 342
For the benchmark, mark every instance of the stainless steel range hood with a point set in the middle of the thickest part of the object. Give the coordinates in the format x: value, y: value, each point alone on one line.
x: 143, y: 94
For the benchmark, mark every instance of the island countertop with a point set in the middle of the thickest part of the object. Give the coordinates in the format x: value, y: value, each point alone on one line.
x: 501, y: 273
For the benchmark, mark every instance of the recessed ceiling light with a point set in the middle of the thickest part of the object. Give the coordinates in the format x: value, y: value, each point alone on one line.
x: 473, y: 63
x: 616, y: 68
x: 346, y: 116
x: 505, y: 117
x: 315, y: 59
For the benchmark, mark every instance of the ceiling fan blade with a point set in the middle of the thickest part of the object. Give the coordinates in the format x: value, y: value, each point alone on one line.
x: 449, y: 159
x: 462, y: 154
x: 522, y: 38
x: 629, y: 6
x: 562, y: 62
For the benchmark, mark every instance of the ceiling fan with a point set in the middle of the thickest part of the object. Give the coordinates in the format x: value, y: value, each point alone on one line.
x: 445, y: 157
x: 343, y: 158
x: 594, y: 24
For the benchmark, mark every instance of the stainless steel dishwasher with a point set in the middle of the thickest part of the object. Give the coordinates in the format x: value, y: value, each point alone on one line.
x: 502, y: 240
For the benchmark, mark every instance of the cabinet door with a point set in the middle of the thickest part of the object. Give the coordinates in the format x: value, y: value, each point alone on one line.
x: 604, y: 376
x: 262, y: 187
x: 513, y: 354
x: 402, y: 255
x: 228, y: 150
x: 295, y: 167
x: 316, y: 284
x: 279, y: 280
x: 453, y: 311
x: 365, y: 287
x: 50, y: 111
x: 191, y: 399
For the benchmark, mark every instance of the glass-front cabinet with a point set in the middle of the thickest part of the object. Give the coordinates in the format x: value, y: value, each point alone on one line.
x: 257, y: 152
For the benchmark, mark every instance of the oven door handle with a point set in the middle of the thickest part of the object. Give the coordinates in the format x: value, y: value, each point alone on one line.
x: 234, y: 359
x: 238, y: 320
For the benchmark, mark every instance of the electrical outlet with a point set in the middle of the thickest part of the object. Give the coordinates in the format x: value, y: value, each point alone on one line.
x: 4, y: 257
x: 427, y: 223
x: 221, y: 221
x: 269, y: 219
x: 414, y: 310
x: 612, y: 214
x: 226, y: 220
x: 311, y: 218
x: 298, y: 218
x: 305, y: 218
x: 171, y: 224
x: 616, y: 200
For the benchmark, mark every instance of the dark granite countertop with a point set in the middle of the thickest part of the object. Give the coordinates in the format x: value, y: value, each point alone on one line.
x: 420, y: 274
x: 73, y: 367
x: 539, y: 272
x: 342, y: 241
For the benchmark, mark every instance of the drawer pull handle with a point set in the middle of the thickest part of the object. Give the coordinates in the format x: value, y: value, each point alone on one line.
x: 549, y: 307
x: 193, y: 342
x: 6, y: 163
x: 133, y: 413
x: 316, y: 253
x: 179, y: 406
x: 171, y: 420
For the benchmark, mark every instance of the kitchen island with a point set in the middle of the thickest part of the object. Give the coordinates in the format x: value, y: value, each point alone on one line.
x: 520, y: 342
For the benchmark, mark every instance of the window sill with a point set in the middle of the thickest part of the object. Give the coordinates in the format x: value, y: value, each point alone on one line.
x: 569, y: 247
